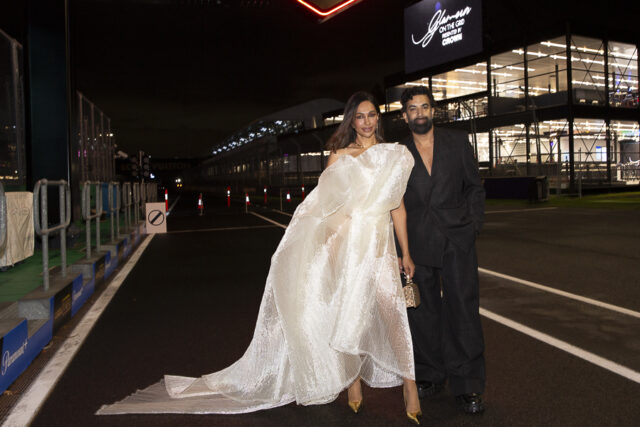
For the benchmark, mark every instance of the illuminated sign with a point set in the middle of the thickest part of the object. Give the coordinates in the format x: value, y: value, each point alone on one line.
x: 326, y: 8
x: 439, y: 31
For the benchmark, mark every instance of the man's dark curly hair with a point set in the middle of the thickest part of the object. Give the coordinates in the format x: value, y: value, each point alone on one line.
x: 412, y: 91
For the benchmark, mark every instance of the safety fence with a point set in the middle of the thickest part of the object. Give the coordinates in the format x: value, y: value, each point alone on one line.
x: 41, y: 222
x: 98, y: 199
x: 3, y: 219
x: 34, y: 307
x: 87, y: 214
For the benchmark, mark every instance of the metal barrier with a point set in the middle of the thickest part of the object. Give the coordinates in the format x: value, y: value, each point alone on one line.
x: 144, y: 198
x: 136, y: 202
x: 86, y: 212
x: 152, y: 192
x: 114, y: 207
x: 126, y: 201
x: 143, y: 192
x: 42, y: 225
x: 3, y: 219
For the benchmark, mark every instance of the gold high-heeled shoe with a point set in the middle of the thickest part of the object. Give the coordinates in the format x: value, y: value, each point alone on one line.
x: 412, y: 416
x: 355, y: 405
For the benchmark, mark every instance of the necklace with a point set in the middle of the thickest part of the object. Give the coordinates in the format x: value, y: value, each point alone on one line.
x: 362, y: 146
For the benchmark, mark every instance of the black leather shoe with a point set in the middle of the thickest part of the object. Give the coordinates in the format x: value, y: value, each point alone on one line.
x: 471, y: 403
x: 427, y: 388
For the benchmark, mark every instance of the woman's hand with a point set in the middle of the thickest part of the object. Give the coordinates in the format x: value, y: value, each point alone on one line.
x: 408, y: 266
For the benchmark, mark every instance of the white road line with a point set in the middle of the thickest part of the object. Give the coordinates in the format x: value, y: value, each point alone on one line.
x: 565, y: 346
x: 282, y: 212
x: 27, y: 407
x: 562, y: 293
x: 221, y: 229
x: 521, y: 210
x: 268, y: 220
x: 531, y: 284
x: 562, y: 345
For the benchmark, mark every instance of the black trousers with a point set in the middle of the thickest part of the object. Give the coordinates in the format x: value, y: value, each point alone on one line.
x: 447, y: 335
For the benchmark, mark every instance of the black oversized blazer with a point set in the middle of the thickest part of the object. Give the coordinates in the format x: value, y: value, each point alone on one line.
x: 455, y: 204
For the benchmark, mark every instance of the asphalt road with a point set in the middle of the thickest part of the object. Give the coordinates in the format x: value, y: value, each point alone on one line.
x: 189, y: 307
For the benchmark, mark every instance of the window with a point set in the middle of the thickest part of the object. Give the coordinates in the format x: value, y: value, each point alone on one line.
x: 507, y: 82
x: 547, y: 68
x: 510, y: 149
x: 623, y: 75
x: 587, y: 61
x: 483, y: 147
x: 587, y: 135
x: 460, y: 82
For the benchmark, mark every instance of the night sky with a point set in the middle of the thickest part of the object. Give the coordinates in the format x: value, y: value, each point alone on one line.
x: 178, y: 77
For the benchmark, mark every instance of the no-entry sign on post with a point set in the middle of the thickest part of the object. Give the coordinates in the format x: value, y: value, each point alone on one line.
x: 156, y: 218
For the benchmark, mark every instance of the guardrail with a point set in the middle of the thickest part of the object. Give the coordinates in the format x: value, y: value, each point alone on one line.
x: 114, y: 207
x: 143, y: 193
x: 41, y: 223
x: 3, y: 219
x: 86, y: 212
x: 144, y: 198
x: 152, y: 192
x: 136, y: 202
x: 126, y: 201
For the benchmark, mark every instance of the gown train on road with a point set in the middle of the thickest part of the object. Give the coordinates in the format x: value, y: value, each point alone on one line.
x: 332, y: 309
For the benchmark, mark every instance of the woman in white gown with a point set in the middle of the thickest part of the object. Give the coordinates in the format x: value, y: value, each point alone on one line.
x: 333, y: 310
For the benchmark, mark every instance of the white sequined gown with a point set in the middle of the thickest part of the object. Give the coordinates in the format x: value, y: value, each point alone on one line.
x: 332, y: 307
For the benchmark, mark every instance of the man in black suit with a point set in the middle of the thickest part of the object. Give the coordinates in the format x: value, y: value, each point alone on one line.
x: 445, y: 209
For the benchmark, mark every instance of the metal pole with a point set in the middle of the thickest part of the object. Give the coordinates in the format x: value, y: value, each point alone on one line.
x: 44, y: 224
x: 118, y: 206
x: 86, y: 212
x: 127, y: 195
x: 94, y: 144
x: 62, y: 193
x: 83, y: 149
x: 143, y: 197
x: 136, y: 201
x: 608, y: 140
x: 98, y: 213
x: 111, y: 210
x: 570, y: 101
x: 19, y: 117
x: 559, y: 168
x: 580, y: 184
x: 3, y: 219
x: 527, y: 141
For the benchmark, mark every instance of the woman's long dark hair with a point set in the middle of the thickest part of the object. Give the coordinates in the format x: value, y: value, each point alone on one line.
x: 345, y: 134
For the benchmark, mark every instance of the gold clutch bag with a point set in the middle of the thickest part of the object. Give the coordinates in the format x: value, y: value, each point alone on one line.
x: 411, y: 294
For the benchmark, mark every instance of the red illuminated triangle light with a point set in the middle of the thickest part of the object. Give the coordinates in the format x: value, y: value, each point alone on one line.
x: 335, y: 7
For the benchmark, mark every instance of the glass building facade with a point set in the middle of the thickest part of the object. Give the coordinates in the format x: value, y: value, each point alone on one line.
x: 565, y: 107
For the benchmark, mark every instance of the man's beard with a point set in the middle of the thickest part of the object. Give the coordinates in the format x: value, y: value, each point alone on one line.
x: 421, y: 128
